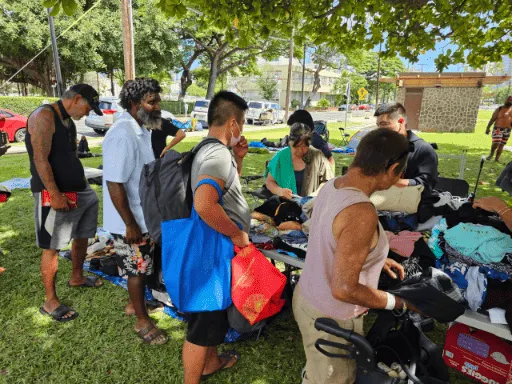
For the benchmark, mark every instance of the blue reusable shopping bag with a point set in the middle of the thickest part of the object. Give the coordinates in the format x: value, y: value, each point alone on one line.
x: 196, y: 262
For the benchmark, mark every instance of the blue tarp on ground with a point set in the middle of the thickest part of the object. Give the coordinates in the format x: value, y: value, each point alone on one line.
x: 17, y: 183
x: 231, y: 336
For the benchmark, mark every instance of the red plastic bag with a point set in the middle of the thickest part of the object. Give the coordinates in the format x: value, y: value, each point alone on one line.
x: 256, y: 285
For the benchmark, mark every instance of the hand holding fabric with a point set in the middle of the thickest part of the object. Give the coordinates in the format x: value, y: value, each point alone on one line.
x: 490, y: 204
x: 390, y: 266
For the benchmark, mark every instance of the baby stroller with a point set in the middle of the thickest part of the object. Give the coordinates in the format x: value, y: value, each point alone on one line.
x: 391, y: 339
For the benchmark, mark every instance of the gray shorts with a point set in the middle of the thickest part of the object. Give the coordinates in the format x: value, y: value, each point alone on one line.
x: 54, y: 230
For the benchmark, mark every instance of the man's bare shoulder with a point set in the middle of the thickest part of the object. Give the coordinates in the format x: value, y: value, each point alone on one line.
x: 41, y: 120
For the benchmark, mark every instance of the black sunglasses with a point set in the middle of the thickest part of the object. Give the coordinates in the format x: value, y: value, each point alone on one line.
x: 401, y: 156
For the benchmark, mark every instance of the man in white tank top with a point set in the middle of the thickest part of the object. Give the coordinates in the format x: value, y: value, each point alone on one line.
x: 347, y: 252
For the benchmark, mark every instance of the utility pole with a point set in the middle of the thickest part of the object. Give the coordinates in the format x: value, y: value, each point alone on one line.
x: 289, y: 80
x: 303, y: 72
x: 129, y: 54
x: 56, y: 61
x: 378, y: 78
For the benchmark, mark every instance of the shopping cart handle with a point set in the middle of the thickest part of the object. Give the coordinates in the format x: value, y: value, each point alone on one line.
x: 363, y: 354
x: 331, y: 327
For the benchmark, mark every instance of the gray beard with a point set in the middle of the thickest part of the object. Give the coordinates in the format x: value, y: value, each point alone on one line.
x: 150, y: 121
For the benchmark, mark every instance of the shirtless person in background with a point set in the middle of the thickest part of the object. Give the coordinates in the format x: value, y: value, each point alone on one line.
x: 502, y: 120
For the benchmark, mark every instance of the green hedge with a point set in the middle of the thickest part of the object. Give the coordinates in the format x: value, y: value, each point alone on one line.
x: 23, y: 105
x: 176, y: 107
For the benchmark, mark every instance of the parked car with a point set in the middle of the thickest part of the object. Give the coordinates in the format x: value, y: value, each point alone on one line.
x: 200, y: 112
x: 259, y: 112
x: 101, y: 124
x: 110, y: 104
x: 364, y: 107
x: 343, y: 107
x: 13, y: 124
x: 278, y: 113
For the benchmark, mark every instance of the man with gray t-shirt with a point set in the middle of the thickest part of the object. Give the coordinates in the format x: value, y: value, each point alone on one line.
x: 206, y: 330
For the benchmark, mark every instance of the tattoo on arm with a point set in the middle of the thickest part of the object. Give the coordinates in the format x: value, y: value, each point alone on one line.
x: 41, y: 128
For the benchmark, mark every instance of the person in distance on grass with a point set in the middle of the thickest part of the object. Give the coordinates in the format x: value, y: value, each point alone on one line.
x: 126, y: 149
x: 502, y: 120
x: 66, y: 207
x: 226, y: 116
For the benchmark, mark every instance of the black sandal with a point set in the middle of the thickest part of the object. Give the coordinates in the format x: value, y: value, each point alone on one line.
x: 90, y: 282
x: 229, y: 355
x: 149, y: 339
x: 59, y: 313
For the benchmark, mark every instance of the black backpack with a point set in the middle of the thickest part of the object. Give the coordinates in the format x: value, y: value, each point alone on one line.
x: 165, y: 188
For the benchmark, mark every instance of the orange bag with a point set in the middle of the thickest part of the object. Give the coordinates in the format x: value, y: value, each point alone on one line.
x: 256, y: 285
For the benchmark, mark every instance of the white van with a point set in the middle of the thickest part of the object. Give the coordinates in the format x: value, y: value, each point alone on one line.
x: 200, y: 112
x: 259, y: 112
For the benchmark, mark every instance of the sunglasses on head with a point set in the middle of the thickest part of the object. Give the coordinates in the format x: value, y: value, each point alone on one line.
x: 401, y: 156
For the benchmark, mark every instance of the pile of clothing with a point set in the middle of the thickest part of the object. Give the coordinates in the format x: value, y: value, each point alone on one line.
x: 471, y: 247
x: 282, y: 225
x: 475, y: 249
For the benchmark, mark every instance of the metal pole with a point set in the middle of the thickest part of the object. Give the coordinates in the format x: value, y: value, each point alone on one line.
x: 56, y: 61
x: 303, y: 72
x: 129, y: 53
x: 348, y: 103
x: 378, y: 78
x: 289, y: 80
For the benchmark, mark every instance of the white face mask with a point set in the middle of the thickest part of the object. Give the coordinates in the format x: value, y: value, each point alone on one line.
x: 235, y: 140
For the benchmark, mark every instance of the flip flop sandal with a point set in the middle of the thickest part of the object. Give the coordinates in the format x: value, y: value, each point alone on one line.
x: 229, y: 355
x: 59, y: 313
x: 149, y: 339
x: 90, y: 282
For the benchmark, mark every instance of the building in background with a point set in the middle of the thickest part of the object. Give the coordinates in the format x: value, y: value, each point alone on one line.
x: 248, y: 88
x: 442, y: 102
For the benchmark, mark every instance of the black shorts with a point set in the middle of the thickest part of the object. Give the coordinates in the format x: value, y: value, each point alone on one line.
x: 207, y: 329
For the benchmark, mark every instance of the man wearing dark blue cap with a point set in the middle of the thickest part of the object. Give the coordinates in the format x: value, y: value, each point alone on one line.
x: 66, y: 207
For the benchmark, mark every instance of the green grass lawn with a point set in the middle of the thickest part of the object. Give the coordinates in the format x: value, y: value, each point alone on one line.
x: 100, y: 345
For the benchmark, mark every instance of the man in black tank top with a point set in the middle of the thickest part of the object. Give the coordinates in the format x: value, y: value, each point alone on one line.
x: 65, y: 206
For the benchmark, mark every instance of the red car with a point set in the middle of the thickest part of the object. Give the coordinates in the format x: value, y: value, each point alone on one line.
x: 14, y: 124
x: 364, y: 107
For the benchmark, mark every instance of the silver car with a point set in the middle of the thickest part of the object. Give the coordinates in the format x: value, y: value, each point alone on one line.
x: 101, y: 124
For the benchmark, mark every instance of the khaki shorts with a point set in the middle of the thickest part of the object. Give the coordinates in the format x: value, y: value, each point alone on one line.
x: 321, y: 369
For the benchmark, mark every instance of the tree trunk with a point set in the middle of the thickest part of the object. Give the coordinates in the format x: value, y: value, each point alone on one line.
x: 24, y: 84
x: 214, y: 73
x: 112, y: 86
x: 316, y: 82
x: 185, y: 81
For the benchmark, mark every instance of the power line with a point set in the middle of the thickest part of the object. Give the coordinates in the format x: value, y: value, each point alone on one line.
x: 50, y: 44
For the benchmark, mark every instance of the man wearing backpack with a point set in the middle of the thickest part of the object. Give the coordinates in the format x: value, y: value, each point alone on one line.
x: 502, y: 120
x: 126, y: 149
x: 214, y: 161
